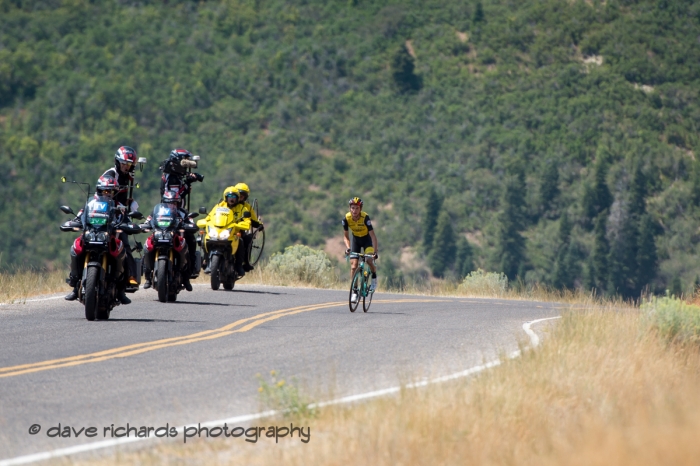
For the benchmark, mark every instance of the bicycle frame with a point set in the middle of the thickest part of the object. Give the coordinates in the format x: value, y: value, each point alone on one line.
x: 363, y: 290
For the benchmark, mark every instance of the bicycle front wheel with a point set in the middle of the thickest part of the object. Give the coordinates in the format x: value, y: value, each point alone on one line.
x: 367, y: 299
x: 355, y: 289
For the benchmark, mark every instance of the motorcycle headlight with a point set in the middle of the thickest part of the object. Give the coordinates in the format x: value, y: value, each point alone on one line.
x: 158, y: 234
x: 225, y: 234
x: 102, y: 236
x: 90, y: 236
x: 213, y: 233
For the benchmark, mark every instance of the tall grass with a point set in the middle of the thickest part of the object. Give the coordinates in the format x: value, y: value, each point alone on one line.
x: 19, y: 284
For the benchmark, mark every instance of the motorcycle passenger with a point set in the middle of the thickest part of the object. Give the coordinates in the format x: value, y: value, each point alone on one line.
x: 175, y: 176
x: 232, y: 201
x: 105, y: 190
x: 123, y: 171
x: 172, y: 199
x: 255, y: 222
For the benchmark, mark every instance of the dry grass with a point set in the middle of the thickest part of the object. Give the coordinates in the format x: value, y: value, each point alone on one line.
x: 604, y: 389
x: 19, y: 285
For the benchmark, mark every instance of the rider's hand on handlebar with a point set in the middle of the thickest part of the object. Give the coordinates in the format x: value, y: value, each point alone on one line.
x: 375, y: 256
x: 347, y: 252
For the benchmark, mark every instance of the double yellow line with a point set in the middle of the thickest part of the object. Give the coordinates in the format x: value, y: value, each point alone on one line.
x: 139, y: 348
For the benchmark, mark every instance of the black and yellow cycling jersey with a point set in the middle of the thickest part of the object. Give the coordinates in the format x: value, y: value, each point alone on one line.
x: 359, y: 228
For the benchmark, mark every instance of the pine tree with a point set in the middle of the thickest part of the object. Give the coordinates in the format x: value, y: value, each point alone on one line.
x: 601, y: 249
x: 510, y: 247
x: 602, y: 196
x: 695, y: 184
x: 588, y: 204
x: 479, y: 12
x: 549, y: 188
x: 464, y: 263
x: 562, y: 274
x: 430, y: 219
x: 647, y: 259
x: 676, y: 287
x: 442, y: 254
x: 403, y: 71
x: 638, y: 193
x: 622, y: 261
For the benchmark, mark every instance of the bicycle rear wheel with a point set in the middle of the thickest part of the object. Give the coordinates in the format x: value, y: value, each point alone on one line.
x: 256, y: 246
x: 355, y: 287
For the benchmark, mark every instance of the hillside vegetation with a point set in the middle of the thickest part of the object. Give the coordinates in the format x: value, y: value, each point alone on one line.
x: 551, y: 140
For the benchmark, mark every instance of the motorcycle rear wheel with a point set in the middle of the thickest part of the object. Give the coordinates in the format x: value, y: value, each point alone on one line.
x: 91, y: 295
x: 162, y: 280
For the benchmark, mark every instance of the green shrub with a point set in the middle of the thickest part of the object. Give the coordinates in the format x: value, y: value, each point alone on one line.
x: 484, y: 283
x: 675, y: 319
x: 302, y: 263
x: 279, y: 395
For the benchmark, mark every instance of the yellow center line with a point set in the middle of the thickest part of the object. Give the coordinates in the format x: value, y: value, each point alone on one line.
x: 140, y: 348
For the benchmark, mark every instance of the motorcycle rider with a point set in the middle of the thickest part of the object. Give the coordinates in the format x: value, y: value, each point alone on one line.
x: 172, y: 199
x: 242, y: 217
x: 105, y: 190
x: 175, y: 176
x: 123, y: 171
x: 255, y: 222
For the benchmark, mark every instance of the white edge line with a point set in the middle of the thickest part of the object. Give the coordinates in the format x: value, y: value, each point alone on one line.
x: 534, y: 342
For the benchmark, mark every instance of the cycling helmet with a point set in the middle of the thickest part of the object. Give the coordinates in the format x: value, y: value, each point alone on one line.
x: 356, y: 201
x: 125, y: 154
x: 243, y: 188
x: 106, y: 184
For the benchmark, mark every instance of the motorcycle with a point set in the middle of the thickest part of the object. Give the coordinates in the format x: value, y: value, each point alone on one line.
x: 220, y: 241
x: 103, y: 266
x: 169, y: 243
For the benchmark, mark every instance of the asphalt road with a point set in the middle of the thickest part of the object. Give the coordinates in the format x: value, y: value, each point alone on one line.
x: 196, y: 360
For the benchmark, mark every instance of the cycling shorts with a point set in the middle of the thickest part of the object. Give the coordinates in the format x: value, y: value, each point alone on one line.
x: 359, y: 242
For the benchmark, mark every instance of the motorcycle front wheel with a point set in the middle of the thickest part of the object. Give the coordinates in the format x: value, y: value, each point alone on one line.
x: 91, y: 295
x: 215, y: 277
x: 162, y: 280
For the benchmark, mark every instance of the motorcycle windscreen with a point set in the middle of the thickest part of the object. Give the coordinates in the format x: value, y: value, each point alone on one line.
x: 222, y: 217
x: 164, y: 216
x: 97, y: 213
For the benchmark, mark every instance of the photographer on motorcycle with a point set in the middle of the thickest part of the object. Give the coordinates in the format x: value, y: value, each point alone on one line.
x: 123, y: 171
x: 173, y: 200
x: 105, y: 190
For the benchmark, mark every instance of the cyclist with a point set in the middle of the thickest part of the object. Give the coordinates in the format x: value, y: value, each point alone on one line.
x: 362, y: 237
x: 247, y: 237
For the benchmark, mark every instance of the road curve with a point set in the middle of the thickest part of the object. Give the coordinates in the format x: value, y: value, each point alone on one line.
x: 196, y: 360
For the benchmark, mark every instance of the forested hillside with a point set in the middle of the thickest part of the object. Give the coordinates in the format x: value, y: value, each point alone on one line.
x: 553, y: 140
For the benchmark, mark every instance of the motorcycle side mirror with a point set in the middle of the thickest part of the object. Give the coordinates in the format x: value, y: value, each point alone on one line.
x: 141, y: 162
x: 136, y: 215
x: 193, y: 215
x: 67, y: 210
x: 202, y: 210
x: 195, y: 158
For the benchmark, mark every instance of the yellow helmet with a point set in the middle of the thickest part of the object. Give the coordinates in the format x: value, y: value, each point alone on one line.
x: 243, y: 187
x: 230, y: 191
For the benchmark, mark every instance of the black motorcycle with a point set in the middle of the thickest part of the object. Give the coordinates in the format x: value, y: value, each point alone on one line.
x: 103, y: 269
x: 170, y: 262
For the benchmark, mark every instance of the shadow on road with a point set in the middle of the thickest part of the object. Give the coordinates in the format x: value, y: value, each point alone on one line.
x: 111, y: 319
x: 253, y: 291
x: 200, y: 303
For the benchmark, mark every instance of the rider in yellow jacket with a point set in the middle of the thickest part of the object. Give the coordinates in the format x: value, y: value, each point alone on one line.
x: 241, y: 215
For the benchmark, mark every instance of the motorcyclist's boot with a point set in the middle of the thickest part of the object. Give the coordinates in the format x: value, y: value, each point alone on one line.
x: 123, y: 298
x: 147, y: 270
x: 73, y: 278
x: 186, y: 282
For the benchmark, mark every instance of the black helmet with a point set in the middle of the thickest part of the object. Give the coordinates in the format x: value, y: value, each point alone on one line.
x: 106, y: 183
x: 171, y: 196
x: 125, y: 154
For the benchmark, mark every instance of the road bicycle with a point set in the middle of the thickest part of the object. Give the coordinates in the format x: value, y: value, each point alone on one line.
x: 257, y: 240
x: 360, y: 284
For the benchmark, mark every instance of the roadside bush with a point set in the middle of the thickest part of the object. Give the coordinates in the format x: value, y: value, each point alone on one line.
x: 484, y: 283
x: 675, y: 319
x: 302, y: 263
